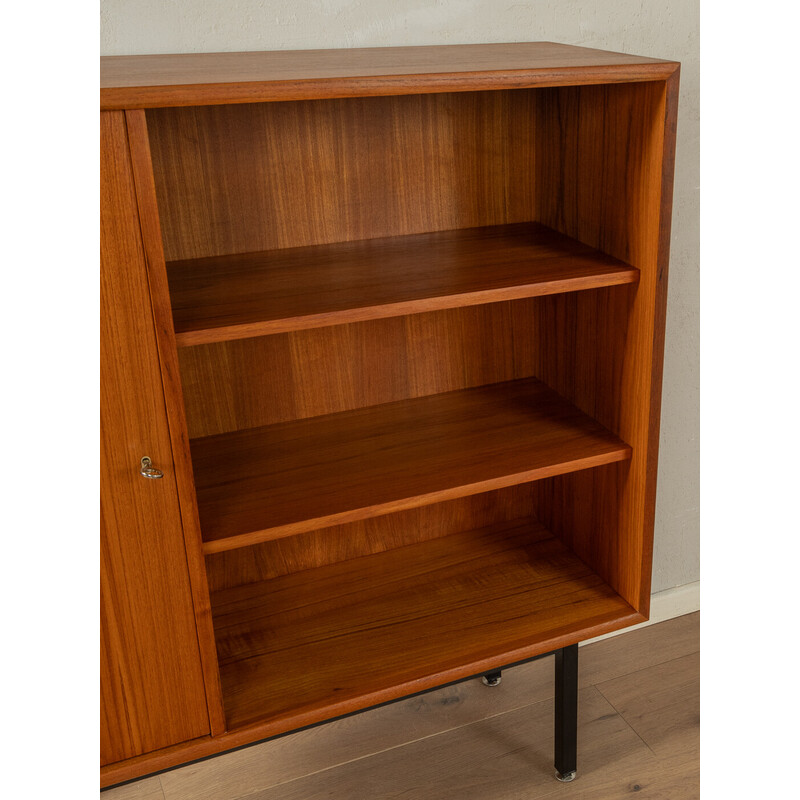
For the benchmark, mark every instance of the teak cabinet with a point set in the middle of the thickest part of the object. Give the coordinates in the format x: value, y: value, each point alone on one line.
x: 388, y: 325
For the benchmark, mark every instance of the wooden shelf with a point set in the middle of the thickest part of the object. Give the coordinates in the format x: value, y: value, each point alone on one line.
x: 238, y: 296
x: 265, y: 483
x: 382, y: 626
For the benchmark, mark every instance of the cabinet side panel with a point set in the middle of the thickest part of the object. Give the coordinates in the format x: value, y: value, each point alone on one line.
x: 152, y: 692
x: 237, y: 179
x: 604, y: 177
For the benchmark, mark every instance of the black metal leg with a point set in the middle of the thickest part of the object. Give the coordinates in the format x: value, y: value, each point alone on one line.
x: 566, y: 712
x: 492, y: 678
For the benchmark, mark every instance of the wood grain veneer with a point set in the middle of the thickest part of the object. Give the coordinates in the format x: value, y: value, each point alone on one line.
x: 252, y: 294
x: 319, y: 548
x: 247, y: 383
x: 386, y: 625
x: 241, y: 179
x: 279, y: 480
x: 152, y: 691
x: 208, y: 78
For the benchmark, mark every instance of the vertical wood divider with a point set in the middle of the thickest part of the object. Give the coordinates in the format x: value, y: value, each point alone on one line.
x: 168, y: 354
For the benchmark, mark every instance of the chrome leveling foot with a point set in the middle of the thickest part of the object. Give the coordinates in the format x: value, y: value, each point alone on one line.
x: 492, y: 678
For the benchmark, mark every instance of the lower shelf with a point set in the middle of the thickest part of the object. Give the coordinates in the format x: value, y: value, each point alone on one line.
x: 313, y: 645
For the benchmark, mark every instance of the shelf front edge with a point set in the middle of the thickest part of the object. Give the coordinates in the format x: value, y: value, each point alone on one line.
x: 249, y: 330
x: 622, y: 453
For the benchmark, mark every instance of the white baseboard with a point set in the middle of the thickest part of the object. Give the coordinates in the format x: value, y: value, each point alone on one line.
x: 665, y: 605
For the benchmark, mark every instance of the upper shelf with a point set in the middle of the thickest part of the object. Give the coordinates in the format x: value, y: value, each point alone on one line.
x: 151, y: 81
x: 239, y: 296
x: 264, y: 483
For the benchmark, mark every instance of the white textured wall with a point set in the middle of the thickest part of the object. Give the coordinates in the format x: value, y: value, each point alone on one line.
x: 658, y: 28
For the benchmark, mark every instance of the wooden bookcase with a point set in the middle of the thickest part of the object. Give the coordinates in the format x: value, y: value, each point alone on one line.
x: 390, y: 323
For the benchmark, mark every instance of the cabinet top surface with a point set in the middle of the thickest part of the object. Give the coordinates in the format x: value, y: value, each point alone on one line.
x: 150, y: 81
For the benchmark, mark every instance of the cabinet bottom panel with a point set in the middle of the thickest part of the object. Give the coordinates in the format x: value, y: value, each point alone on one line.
x: 312, y: 645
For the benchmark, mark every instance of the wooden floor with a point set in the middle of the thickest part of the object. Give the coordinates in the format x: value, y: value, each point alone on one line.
x: 638, y: 733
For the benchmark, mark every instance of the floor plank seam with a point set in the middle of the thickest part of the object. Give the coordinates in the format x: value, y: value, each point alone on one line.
x: 385, y: 750
x: 622, y: 717
x: 649, y: 666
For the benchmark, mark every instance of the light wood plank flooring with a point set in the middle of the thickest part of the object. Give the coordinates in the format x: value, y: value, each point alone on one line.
x: 638, y: 734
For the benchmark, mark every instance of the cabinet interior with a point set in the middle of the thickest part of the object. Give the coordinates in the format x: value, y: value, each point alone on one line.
x: 375, y: 587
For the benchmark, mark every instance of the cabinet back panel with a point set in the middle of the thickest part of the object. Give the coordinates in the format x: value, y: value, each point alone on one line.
x: 343, y: 542
x: 243, y: 178
x: 252, y: 382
